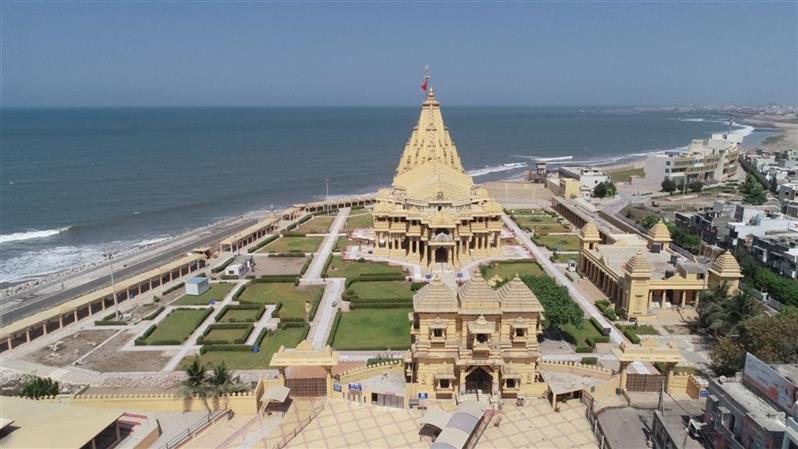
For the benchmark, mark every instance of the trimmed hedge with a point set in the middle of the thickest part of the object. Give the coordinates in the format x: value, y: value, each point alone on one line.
x: 291, y: 253
x: 223, y: 266
x: 173, y: 288
x: 225, y: 348
x: 139, y: 341
x: 260, y: 245
x: 245, y: 306
x: 389, y: 305
x: 306, y: 265
x: 154, y: 314
x: 334, y: 328
x: 105, y: 322
x: 294, y: 234
x: 589, y: 360
x: 583, y: 349
x: 628, y: 333
x: 601, y: 329
x: 416, y: 286
x: 202, y: 340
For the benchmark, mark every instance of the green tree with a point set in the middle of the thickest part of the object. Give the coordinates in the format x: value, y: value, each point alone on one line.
x: 772, y: 339
x: 605, y: 189
x: 752, y: 190
x: 221, y: 382
x: 722, y: 314
x: 196, y: 384
x: 649, y: 221
x: 35, y: 387
x: 696, y: 186
x: 558, y: 307
x: 668, y: 185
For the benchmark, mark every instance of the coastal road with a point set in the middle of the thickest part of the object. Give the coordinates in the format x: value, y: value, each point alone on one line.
x: 30, y: 302
x: 577, y: 295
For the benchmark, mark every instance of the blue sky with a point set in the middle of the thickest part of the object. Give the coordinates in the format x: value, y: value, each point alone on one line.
x: 270, y: 54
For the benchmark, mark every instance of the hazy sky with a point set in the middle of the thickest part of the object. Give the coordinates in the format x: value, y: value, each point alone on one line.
x: 268, y: 54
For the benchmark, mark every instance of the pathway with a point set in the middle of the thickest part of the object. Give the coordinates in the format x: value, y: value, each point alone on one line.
x: 190, y: 345
x: 576, y: 294
x: 263, y: 322
x: 325, y: 315
x: 313, y: 273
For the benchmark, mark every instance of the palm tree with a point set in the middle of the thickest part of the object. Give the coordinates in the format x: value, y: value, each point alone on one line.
x: 741, y: 307
x: 196, y: 384
x: 222, y: 382
x: 722, y: 314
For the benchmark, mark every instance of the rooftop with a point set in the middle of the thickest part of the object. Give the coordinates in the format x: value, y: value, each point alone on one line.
x: 759, y: 409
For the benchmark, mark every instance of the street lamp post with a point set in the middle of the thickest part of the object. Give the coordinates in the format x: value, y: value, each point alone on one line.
x: 110, y: 258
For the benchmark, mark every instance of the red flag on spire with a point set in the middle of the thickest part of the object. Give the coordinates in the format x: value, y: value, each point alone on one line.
x: 424, y: 84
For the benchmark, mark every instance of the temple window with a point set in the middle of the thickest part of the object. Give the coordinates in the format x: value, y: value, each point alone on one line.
x: 444, y: 383
x: 483, y: 338
x: 520, y: 332
x: 437, y: 333
x: 509, y: 383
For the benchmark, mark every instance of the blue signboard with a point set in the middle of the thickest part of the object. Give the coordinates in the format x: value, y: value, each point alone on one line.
x: 703, y: 394
x: 356, y: 388
x: 423, y: 396
x: 337, y: 387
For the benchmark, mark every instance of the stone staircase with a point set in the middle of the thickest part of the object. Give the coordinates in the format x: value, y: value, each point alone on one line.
x: 482, y: 398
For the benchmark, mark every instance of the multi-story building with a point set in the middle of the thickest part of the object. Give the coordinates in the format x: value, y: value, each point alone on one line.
x: 787, y: 192
x: 589, y: 178
x: 474, y: 340
x: 710, y: 224
x: 434, y: 213
x: 752, y: 411
x: 637, y: 274
x: 705, y: 160
x: 777, y: 250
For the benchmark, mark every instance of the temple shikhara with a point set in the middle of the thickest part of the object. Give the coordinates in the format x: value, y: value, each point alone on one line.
x: 474, y: 340
x: 433, y: 212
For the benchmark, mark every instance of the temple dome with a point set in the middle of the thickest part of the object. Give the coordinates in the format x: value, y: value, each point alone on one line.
x: 638, y: 265
x: 515, y: 296
x: 590, y: 232
x: 435, y: 297
x: 660, y: 232
x: 726, y: 266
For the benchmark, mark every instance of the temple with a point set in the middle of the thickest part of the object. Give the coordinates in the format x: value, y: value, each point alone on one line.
x: 433, y: 212
x: 640, y: 275
x: 474, y: 340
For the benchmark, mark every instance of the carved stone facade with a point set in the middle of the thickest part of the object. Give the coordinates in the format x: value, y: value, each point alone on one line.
x: 474, y: 340
x: 434, y: 213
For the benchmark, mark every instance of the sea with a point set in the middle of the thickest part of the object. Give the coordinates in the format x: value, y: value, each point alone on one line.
x: 75, y: 183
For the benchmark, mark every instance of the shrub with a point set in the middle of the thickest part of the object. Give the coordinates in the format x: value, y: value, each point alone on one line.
x: 225, y: 348
x: 294, y: 234
x: 35, y: 387
x: 581, y: 349
x: 589, y: 360
x: 602, y: 330
x: 109, y: 323
x: 262, y: 244
x: 416, y: 286
x: 222, y: 266
x: 631, y: 335
x: 305, y: 266
x: 141, y: 339
x: 173, y: 288
x: 334, y: 328
x: 602, y: 304
x: 610, y: 314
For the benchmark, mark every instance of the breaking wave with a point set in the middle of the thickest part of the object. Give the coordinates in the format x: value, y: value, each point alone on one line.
x: 29, y: 235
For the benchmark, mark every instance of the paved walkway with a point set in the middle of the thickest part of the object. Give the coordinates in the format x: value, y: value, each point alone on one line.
x: 577, y: 294
x: 325, y: 315
x: 314, y: 271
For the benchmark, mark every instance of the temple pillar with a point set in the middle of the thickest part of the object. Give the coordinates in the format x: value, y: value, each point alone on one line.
x: 684, y: 297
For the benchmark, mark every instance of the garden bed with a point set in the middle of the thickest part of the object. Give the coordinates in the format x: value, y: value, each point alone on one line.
x: 373, y: 329
x: 175, y: 328
x: 286, y: 244
x: 217, y: 292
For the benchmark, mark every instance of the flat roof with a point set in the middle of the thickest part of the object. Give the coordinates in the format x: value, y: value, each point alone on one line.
x: 37, y: 424
x: 765, y: 414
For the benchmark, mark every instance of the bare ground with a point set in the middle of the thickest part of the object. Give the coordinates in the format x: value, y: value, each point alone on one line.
x: 110, y: 359
x: 70, y: 348
x: 278, y: 265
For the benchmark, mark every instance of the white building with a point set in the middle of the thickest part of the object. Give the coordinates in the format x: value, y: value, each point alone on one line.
x: 589, y: 178
x: 705, y: 160
x: 197, y: 285
x: 240, y: 266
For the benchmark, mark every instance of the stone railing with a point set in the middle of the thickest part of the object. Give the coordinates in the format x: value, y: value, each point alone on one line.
x: 241, y: 402
x: 367, y: 371
x: 575, y: 368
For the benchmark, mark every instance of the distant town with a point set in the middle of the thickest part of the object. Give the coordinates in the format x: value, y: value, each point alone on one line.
x: 652, y: 303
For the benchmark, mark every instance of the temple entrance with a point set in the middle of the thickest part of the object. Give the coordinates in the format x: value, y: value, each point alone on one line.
x: 441, y: 255
x: 479, y: 380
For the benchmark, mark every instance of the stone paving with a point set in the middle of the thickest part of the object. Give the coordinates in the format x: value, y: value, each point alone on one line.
x: 536, y: 425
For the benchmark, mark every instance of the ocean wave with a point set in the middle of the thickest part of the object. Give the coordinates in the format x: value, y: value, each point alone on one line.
x: 29, y: 235
x: 496, y: 169
x: 151, y: 241
x: 33, y: 264
x: 743, y: 130
x: 691, y: 120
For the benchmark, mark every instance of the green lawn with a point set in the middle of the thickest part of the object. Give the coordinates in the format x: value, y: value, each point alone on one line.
x: 237, y: 360
x: 341, y: 243
x: 293, y: 244
x: 216, y: 292
x: 351, y: 268
x: 626, y: 174
x: 239, y: 316
x: 364, y: 220
x: 564, y: 258
x: 644, y: 329
x: 177, y: 326
x: 292, y: 297
x: 562, y: 242
x: 373, y: 329
x: 540, y: 224
x: 382, y: 290
x: 319, y: 224
x: 226, y: 335
x: 510, y: 269
x: 587, y: 330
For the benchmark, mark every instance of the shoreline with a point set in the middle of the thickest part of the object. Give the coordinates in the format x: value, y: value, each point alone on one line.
x: 493, y: 173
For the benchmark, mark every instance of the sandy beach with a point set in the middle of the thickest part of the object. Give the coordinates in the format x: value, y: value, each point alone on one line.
x: 787, y: 137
